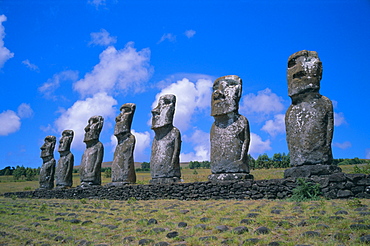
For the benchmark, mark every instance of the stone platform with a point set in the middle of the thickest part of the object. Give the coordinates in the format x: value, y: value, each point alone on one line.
x: 337, y: 185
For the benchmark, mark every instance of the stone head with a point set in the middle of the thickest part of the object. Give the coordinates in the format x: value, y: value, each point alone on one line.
x: 65, y: 141
x: 93, y: 128
x: 162, y: 115
x: 124, y: 119
x: 304, y: 72
x: 47, y: 149
x: 226, y: 95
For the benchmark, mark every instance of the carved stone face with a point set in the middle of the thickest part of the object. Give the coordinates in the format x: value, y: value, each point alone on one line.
x: 65, y: 141
x: 226, y: 95
x: 163, y: 113
x: 47, y: 149
x: 93, y: 128
x: 304, y: 72
x: 124, y: 119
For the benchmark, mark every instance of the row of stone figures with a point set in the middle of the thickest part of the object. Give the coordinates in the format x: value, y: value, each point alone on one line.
x: 309, y: 130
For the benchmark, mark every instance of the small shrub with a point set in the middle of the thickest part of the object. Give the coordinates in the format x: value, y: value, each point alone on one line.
x: 354, y: 203
x: 305, y: 191
x: 83, y: 201
x: 27, y: 188
x: 131, y: 200
x: 365, y: 169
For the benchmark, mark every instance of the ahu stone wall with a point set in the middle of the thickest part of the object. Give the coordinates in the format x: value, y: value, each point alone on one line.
x: 338, y: 185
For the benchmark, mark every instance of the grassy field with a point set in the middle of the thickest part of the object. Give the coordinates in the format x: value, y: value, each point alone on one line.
x: 231, y: 222
x: 221, y: 222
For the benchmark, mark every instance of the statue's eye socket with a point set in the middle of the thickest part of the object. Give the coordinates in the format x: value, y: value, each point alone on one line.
x: 291, y: 63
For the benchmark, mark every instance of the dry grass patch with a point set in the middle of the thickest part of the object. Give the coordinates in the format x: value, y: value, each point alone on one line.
x: 203, y: 222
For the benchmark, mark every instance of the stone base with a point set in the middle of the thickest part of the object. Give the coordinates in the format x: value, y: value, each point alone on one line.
x: 311, y: 170
x: 165, y: 180
x: 229, y: 176
x: 117, y: 184
x: 61, y: 187
x: 88, y: 185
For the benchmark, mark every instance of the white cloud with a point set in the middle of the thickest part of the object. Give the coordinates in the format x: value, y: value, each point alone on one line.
x: 25, y: 111
x: 201, y: 143
x: 339, y: 119
x: 97, y: 3
x: 30, y: 65
x: 344, y: 145
x: 142, y: 143
x: 5, y: 54
x: 258, y: 146
x: 275, y: 126
x: 52, y: 84
x: 167, y: 36
x: 265, y: 102
x: 102, y: 38
x: 118, y: 70
x: 9, y: 122
x: 190, y: 33
x: 367, y: 154
x: 75, y: 118
x: 190, y: 98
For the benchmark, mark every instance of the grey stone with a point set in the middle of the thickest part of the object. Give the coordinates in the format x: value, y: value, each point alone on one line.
x: 230, y: 134
x: 311, y: 171
x: 123, y: 169
x: 247, y: 221
x: 161, y: 244
x: 172, y: 234
x: 208, y: 238
x: 166, y: 146
x: 90, y: 168
x: 251, y: 241
x: 47, y: 172
x: 146, y: 241
x: 64, y: 169
x: 200, y: 226
x: 365, y: 239
x: 341, y: 236
x: 221, y: 228
x: 311, y: 234
x: 182, y: 224
x: 309, y: 120
x: 158, y: 230
x: 240, y: 230
x: 262, y: 230
x: 128, y: 239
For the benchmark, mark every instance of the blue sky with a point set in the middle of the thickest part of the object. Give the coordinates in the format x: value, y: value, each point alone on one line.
x: 62, y: 62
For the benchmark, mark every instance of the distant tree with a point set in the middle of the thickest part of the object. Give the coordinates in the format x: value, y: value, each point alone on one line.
x: 145, y: 165
x: 108, y: 172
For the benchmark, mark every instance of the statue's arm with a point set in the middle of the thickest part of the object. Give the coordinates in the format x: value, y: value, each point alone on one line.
x: 177, y: 148
x: 330, y: 127
x: 245, y: 147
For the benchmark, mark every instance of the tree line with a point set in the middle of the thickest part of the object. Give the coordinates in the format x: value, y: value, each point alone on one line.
x: 21, y: 172
x: 278, y: 160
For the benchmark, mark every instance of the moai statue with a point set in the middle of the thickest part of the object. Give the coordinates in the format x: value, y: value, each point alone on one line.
x: 164, y: 160
x: 123, y: 169
x: 47, y: 171
x: 230, y: 135
x: 65, y: 164
x: 90, y: 169
x: 309, y: 119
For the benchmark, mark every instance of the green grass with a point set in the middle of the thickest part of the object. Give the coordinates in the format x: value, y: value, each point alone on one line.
x: 42, y: 221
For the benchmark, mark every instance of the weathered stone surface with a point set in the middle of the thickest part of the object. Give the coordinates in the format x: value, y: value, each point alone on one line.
x: 311, y: 170
x: 64, y: 169
x: 90, y: 168
x: 309, y: 120
x: 230, y: 134
x: 123, y: 169
x: 47, y: 171
x: 166, y: 146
